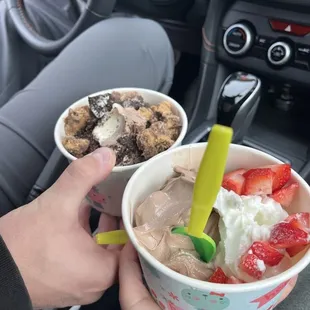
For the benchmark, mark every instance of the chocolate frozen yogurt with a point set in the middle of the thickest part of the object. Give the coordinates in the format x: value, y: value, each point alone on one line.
x: 256, y: 236
x: 125, y: 122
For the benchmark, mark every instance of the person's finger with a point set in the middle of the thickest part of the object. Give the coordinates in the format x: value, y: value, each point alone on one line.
x: 81, y: 175
x: 106, y: 223
x: 288, y: 289
x: 84, y: 215
x: 133, y: 294
x: 103, y: 264
x: 117, y: 247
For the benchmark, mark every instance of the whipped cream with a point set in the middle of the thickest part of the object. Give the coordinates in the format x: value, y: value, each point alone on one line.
x: 244, y: 220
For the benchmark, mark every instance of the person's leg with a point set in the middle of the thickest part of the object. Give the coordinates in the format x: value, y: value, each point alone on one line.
x: 18, y: 62
x: 119, y: 52
x: 10, y: 44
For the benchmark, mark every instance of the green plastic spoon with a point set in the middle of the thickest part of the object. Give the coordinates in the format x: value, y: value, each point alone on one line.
x: 206, y: 188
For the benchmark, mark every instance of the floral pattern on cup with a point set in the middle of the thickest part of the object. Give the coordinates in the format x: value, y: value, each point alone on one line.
x: 202, y: 300
x: 170, y: 295
x: 96, y: 198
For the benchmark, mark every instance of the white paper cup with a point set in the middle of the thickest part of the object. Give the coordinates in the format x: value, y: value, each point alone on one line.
x: 172, y: 290
x: 107, y: 196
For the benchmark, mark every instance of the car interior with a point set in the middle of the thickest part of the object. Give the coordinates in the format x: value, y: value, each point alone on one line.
x: 244, y: 63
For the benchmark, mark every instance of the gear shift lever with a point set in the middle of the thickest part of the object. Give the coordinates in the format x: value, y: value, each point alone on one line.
x: 238, y: 101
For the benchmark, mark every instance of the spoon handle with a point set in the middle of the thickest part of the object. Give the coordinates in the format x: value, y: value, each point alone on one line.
x: 112, y: 237
x: 209, y: 178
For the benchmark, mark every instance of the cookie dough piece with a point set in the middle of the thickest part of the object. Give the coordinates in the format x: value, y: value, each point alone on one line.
x: 146, y: 113
x: 76, y: 147
x: 164, y: 108
x: 154, y: 140
x: 76, y: 120
x: 173, y: 125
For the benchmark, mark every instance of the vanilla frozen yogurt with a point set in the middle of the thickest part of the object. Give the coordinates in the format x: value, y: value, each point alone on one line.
x: 243, y: 220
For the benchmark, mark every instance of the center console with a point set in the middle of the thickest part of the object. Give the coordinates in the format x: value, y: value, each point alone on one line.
x: 268, y: 40
x: 271, y: 39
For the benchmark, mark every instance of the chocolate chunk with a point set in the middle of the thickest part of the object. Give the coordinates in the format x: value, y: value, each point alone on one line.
x: 99, y: 105
x: 127, y: 152
x: 93, y: 145
x: 136, y: 104
x: 86, y: 132
x: 128, y: 142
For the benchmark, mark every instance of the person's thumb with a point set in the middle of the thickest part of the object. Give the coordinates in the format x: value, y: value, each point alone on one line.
x: 133, y: 294
x: 77, y: 180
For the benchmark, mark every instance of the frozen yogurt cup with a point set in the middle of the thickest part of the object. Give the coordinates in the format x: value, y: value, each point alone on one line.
x: 107, y: 196
x: 172, y: 290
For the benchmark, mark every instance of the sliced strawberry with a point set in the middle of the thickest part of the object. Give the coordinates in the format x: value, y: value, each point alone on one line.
x: 233, y: 181
x: 282, y: 175
x: 218, y: 276
x: 235, y: 172
x: 295, y: 250
x: 234, y: 184
x: 233, y: 280
x: 285, y: 195
x: 258, y: 181
x: 300, y: 220
x: 268, y: 254
x: 252, y: 265
x: 285, y: 235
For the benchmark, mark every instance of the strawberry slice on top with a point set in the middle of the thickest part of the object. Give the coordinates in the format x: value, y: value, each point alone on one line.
x: 258, y: 181
x: 252, y: 265
x: 286, y: 195
x: 282, y: 175
x: 293, y: 251
x: 234, y: 181
x: 300, y: 220
x: 286, y: 235
x: 268, y: 254
x: 218, y: 276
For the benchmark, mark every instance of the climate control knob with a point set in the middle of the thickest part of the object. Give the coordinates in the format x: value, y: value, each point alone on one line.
x: 238, y: 39
x: 279, y: 53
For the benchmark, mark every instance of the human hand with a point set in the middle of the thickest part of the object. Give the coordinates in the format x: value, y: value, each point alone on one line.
x: 51, y: 242
x: 133, y: 294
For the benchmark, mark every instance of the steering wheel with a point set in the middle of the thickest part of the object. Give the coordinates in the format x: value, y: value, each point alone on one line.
x: 93, y: 12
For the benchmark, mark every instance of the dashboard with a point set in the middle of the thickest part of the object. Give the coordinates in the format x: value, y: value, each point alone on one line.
x: 267, y: 40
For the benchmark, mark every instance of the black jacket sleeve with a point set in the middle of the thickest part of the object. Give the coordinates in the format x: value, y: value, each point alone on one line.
x: 13, y: 292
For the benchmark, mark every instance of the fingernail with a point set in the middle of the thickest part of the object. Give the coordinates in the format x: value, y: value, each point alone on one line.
x: 103, y: 154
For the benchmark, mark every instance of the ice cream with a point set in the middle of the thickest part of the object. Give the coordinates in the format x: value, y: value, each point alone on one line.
x: 134, y: 129
x: 252, y: 244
